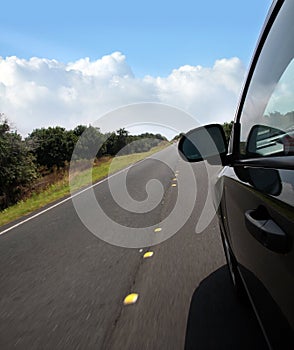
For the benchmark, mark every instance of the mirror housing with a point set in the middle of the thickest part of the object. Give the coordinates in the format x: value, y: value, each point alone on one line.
x: 204, y: 143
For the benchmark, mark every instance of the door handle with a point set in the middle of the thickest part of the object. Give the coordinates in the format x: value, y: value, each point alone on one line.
x: 266, y: 231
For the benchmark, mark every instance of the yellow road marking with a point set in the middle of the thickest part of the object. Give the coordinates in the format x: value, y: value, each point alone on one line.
x: 131, y: 299
x: 147, y: 255
x: 174, y: 185
x: 174, y: 179
x: 158, y: 229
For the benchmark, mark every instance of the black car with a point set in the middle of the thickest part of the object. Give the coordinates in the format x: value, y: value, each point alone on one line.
x: 255, y: 183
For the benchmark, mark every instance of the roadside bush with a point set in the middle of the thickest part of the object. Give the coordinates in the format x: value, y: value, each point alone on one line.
x: 17, y: 167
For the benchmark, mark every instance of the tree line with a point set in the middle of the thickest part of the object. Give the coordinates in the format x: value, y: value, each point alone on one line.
x: 22, y: 161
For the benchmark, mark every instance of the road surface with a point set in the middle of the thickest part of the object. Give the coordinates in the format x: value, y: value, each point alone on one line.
x: 63, y: 288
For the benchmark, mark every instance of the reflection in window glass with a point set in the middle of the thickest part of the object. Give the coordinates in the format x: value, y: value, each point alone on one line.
x: 279, y: 111
x: 267, y: 120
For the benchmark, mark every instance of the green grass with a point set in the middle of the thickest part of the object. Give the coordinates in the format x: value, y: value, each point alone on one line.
x: 61, y: 188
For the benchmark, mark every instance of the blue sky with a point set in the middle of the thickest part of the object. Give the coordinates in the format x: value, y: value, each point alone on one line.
x: 156, y: 36
x: 92, y: 57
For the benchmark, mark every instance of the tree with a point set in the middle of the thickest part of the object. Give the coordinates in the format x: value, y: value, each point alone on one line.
x: 177, y: 137
x: 111, y: 144
x: 228, y: 129
x: 78, y: 130
x: 91, y: 144
x: 122, y: 138
x: 53, y: 146
x: 17, y: 168
x: 116, y: 141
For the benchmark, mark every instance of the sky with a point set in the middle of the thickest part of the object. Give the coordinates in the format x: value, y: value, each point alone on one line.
x: 67, y: 63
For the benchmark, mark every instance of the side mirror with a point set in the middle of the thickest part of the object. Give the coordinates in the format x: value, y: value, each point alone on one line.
x: 204, y: 143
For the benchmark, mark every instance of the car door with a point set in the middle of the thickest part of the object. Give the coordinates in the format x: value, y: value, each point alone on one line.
x: 258, y: 193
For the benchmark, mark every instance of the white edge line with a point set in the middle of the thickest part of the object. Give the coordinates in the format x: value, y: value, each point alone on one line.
x: 70, y: 197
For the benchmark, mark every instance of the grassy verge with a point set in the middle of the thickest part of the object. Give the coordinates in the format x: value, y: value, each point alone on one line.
x: 61, y: 188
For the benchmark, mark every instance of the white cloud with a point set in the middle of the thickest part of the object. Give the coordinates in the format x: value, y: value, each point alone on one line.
x: 208, y: 93
x: 41, y: 92
x: 106, y: 67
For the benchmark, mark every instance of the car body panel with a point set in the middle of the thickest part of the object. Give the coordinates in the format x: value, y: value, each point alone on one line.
x: 260, y: 266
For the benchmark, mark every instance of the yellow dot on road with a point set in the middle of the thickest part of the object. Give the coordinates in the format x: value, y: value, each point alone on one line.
x: 174, y: 185
x: 131, y: 299
x: 158, y: 229
x: 147, y: 255
x: 174, y: 179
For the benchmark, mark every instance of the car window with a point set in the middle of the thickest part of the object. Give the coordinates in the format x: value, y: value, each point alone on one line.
x: 267, y: 120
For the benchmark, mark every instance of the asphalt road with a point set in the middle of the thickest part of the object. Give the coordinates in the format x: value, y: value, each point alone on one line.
x: 61, y: 287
